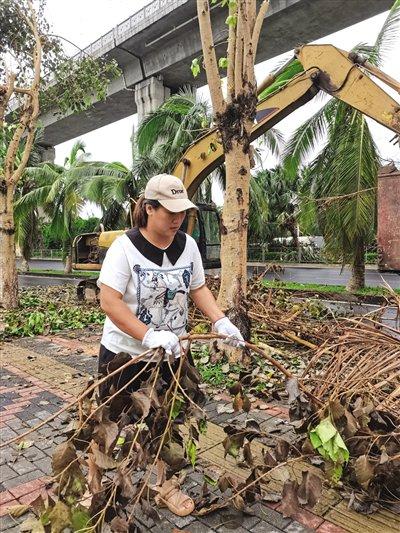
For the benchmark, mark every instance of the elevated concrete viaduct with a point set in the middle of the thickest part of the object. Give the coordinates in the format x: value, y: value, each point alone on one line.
x: 156, y: 45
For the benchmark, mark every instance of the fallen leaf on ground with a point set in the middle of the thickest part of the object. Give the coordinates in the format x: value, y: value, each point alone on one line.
x: 18, y: 510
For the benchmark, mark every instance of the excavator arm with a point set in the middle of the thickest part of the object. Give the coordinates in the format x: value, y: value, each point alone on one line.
x: 326, y: 68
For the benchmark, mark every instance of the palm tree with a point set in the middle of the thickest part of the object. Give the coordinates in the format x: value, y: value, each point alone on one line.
x: 58, y: 191
x: 27, y: 226
x: 343, y: 175
x: 274, y: 205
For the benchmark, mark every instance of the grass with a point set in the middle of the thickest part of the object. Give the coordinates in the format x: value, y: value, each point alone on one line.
x: 74, y: 273
x: 341, y: 289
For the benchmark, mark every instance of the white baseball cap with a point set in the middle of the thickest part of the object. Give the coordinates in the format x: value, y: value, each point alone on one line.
x: 169, y: 191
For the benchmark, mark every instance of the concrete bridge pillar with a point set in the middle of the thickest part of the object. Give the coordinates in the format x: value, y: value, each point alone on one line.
x: 47, y: 154
x: 149, y: 95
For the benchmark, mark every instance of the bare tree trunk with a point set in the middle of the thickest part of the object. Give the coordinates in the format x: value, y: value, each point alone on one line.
x: 8, y: 269
x: 357, y: 280
x: 68, y: 260
x: 25, y: 265
x: 234, y: 229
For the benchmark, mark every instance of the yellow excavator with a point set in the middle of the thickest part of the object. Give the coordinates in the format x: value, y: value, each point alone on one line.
x: 346, y: 76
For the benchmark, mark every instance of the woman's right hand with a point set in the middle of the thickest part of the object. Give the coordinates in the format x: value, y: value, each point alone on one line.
x: 162, y: 339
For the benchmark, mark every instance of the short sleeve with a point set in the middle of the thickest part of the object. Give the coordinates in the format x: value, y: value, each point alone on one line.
x: 115, y: 271
x: 198, y: 277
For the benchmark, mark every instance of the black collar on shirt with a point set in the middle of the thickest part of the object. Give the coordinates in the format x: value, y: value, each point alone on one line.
x: 154, y: 254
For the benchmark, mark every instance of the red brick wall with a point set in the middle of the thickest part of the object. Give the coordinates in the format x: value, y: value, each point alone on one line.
x: 389, y: 221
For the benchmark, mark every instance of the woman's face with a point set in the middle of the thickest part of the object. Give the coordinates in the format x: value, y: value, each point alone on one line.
x: 164, y: 222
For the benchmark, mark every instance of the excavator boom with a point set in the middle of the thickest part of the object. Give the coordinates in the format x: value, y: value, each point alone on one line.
x: 325, y: 68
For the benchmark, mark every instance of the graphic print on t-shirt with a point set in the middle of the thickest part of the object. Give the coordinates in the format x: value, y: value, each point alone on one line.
x: 162, y: 297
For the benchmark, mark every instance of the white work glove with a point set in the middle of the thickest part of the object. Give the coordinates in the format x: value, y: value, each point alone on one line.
x: 225, y: 327
x: 162, y: 339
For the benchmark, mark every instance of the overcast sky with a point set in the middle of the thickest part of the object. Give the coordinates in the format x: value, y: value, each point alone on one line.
x: 84, y: 21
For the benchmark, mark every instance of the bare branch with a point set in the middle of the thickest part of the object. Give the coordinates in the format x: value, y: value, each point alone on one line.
x: 258, y: 25
x: 239, y: 53
x: 6, y: 92
x: 248, y: 62
x: 20, y: 90
x: 231, y: 55
x: 33, y: 108
x: 210, y: 59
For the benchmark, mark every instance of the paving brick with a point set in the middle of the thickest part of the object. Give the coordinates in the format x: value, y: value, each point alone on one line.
x: 272, y: 517
x: 17, y: 484
x: 45, y: 465
x: 34, y: 422
x: 15, y: 423
x: 328, y: 527
x: 5, y: 507
x: 22, y: 466
x: 178, y: 521
x: 7, y: 434
x: 29, y: 498
x: 33, y: 453
x: 264, y: 527
x: 7, y: 522
x: 5, y: 497
x: 7, y: 473
x: 200, y: 527
x: 296, y: 527
x: 42, y: 415
x: 6, y: 455
x: 234, y: 520
x: 307, y: 519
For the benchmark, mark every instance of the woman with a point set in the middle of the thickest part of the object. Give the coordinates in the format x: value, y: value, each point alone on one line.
x: 145, y: 282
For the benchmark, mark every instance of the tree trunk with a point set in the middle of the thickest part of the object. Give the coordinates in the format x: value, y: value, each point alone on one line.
x: 68, y: 264
x: 357, y: 280
x: 8, y: 269
x: 234, y: 230
x: 25, y: 265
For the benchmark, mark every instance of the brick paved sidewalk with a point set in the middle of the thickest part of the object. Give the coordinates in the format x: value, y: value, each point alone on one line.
x: 39, y: 375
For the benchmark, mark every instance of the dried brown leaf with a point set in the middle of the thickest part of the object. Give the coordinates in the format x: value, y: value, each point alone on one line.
x: 141, y: 403
x: 290, y: 503
x: 63, y: 456
x: 248, y: 457
x: 292, y: 388
x: 18, y: 510
x: 94, y: 475
x: 101, y: 459
x: 246, y: 404
x: 310, y: 489
x: 281, y: 450
x: 237, y: 402
x: 364, y: 471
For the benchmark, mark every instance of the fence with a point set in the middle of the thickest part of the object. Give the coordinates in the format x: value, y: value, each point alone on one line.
x: 47, y: 254
x: 308, y: 253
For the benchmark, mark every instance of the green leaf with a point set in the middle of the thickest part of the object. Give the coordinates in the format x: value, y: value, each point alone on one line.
x: 25, y: 444
x: 80, y: 519
x: 176, y: 407
x: 195, y: 67
x: 202, y: 426
x: 326, y: 439
x: 223, y: 62
x: 210, y: 481
x: 191, y: 451
x: 231, y: 20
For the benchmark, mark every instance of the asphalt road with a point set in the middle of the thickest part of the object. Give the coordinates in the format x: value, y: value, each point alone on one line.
x: 301, y: 274
x: 333, y: 276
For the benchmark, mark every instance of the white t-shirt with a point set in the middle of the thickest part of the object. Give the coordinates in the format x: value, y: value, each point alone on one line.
x: 155, y: 284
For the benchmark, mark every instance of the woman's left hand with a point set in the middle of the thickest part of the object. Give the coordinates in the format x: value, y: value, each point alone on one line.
x: 225, y: 327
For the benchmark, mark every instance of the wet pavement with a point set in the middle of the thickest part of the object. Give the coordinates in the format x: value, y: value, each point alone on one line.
x: 40, y: 374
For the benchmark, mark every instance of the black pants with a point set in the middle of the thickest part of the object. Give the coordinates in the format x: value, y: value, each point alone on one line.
x: 108, y: 363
